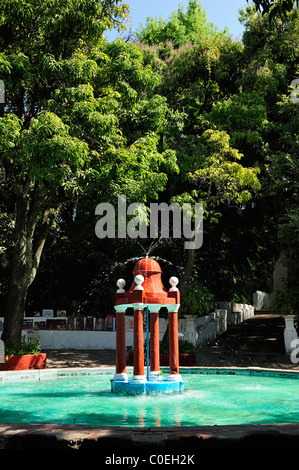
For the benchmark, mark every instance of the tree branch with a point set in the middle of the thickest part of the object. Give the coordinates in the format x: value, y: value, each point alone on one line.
x: 47, y: 221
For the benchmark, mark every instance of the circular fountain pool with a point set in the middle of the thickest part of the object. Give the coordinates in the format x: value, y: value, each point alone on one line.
x: 210, y: 397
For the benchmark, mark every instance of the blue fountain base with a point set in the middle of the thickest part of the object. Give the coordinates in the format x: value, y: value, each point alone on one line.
x: 133, y: 387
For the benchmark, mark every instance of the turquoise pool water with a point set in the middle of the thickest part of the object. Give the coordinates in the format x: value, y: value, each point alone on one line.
x: 208, y: 399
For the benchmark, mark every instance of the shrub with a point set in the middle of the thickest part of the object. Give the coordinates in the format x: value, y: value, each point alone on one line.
x: 185, y: 347
x: 198, y: 300
x: 286, y: 301
x: 25, y: 347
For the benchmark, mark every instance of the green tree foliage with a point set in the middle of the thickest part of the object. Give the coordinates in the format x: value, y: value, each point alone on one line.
x: 195, y: 77
x: 270, y: 72
x: 179, y: 29
x: 275, y: 8
x: 187, y: 114
x: 81, y: 120
x: 236, y: 96
x: 262, y: 121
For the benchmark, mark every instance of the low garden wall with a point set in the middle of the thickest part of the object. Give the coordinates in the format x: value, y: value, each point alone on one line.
x: 262, y: 299
x: 198, y: 330
x: 202, y: 330
x: 68, y: 339
x: 81, y: 339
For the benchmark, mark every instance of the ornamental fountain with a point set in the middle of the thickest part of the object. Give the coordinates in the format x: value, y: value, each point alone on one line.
x: 147, y: 294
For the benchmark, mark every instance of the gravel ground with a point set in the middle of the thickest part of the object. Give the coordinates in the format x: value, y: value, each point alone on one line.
x: 257, y: 342
x: 205, y: 358
x: 80, y: 358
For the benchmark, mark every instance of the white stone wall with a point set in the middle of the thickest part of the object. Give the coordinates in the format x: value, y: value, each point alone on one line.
x: 262, y: 300
x: 78, y: 339
x: 72, y: 339
x: 68, y: 339
x: 202, y: 330
x: 199, y: 330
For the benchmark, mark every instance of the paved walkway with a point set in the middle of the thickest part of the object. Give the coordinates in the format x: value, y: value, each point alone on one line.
x: 257, y: 342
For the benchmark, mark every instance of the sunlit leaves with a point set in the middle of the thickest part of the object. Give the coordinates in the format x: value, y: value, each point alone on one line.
x: 219, y: 177
x: 136, y: 170
x: 127, y: 71
x: 10, y: 128
x: 74, y: 70
x: 59, y: 27
x: 200, y: 74
x: 244, y: 116
x: 47, y: 152
x: 180, y: 28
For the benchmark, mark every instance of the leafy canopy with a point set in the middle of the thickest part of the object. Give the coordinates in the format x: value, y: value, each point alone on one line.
x: 180, y: 28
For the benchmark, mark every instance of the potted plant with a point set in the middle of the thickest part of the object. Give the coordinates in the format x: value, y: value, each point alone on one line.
x: 25, y: 356
x: 187, y: 355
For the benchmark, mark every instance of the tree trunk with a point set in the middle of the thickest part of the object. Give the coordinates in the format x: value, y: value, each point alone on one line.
x: 188, y: 271
x: 25, y: 262
x: 14, y: 313
x: 20, y: 277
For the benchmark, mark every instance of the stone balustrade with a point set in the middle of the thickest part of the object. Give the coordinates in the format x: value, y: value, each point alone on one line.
x: 202, y: 330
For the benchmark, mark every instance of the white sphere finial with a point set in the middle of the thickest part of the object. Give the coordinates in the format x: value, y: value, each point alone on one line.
x: 139, y: 279
x: 121, y: 284
x: 173, y: 281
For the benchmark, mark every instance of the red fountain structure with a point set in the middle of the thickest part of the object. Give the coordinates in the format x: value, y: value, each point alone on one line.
x: 147, y: 292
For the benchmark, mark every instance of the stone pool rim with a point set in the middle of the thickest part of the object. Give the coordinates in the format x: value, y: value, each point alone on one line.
x: 185, y: 439
x: 38, y: 374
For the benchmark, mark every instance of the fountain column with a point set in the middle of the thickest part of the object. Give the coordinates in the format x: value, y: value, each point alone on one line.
x: 138, y: 345
x: 138, y: 330
x: 173, y: 345
x: 120, y: 372
x: 154, y: 341
x: 173, y: 332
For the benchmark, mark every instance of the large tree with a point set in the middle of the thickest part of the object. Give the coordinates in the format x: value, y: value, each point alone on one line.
x: 62, y: 136
x: 195, y: 76
x: 244, y: 91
